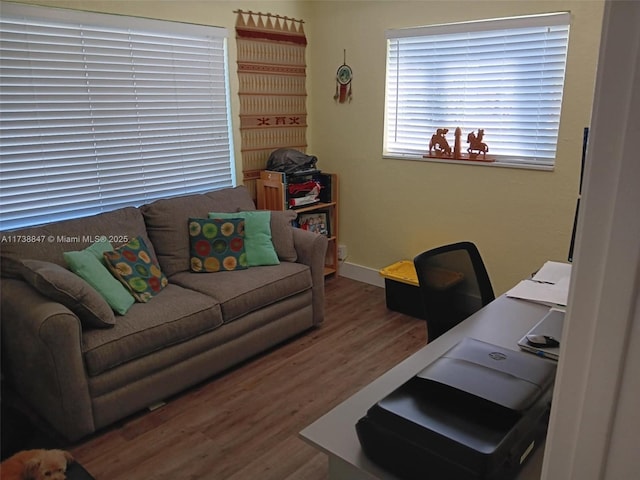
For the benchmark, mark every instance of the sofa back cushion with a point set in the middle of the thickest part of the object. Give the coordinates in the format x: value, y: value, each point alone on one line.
x: 49, y: 242
x: 168, y: 222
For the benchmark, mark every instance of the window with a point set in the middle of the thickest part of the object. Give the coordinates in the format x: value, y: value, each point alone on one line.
x: 103, y: 111
x: 505, y: 76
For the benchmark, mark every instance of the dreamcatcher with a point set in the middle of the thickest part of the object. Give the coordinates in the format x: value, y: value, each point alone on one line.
x: 343, y: 81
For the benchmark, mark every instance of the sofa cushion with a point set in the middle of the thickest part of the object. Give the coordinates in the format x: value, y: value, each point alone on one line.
x: 69, y: 289
x: 217, y: 244
x: 89, y: 264
x: 282, y: 235
x: 242, y: 292
x: 135, y: 267
x: 167, y: 224
x: 175, y: 315
x: 118, y: 227
x: 260, y: 249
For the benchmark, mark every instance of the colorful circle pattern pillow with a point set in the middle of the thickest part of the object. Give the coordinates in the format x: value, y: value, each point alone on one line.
x: 217, y: 244
x: 137, y: 269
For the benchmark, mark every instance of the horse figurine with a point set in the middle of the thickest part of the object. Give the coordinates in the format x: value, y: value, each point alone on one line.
x: 476, y: 144
x: 439, y: 143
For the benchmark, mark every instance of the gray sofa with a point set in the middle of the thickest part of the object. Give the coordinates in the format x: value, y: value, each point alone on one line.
x: 80, y: 378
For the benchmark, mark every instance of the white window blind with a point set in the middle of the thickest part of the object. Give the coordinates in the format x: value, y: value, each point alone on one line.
x: 103, y: 111
x: 505, y: 76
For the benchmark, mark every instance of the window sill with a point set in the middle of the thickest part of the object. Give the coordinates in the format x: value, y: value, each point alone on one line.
x: 503, y: 163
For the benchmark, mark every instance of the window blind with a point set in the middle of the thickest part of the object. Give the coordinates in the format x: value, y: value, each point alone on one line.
x: 103, y: 111
x: 505, y: 76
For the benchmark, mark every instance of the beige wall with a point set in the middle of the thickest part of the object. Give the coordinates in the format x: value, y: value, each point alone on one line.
x: 393, y: 209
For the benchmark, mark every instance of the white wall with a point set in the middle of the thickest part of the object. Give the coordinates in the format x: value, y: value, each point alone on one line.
x: 595, y: 426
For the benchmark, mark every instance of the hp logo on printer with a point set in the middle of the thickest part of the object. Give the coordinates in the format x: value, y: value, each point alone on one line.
x: 498, y: 356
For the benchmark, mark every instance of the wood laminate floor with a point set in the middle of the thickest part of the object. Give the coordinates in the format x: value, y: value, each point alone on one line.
x: 244, y: 424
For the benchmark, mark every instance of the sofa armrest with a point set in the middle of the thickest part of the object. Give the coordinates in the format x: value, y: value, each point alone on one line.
x: 42, y: 358
x: 312, y: 249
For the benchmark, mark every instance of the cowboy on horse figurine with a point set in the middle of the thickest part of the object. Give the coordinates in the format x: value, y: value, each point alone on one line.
x: 439, y: 143
x: 476, y: 144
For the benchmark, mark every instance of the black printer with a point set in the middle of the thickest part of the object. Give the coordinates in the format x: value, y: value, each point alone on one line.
x: 477, y: 412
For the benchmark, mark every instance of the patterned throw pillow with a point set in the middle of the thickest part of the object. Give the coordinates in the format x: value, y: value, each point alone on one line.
x: 217, y: 244
x: 136, y: 269
x: 257, y: 236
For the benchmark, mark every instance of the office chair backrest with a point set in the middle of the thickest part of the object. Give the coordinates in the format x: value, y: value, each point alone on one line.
x: 454, y: 284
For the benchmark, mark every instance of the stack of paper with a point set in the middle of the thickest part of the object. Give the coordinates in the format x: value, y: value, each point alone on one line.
x: 549, y: 286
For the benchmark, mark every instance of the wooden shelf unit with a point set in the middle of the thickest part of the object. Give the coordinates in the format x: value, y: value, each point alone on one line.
x: 272, y: 195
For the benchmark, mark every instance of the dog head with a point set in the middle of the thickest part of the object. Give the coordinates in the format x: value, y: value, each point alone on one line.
x: 47, y: 465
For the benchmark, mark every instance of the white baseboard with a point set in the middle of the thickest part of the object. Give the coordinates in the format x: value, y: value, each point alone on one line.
x: 362, y: 274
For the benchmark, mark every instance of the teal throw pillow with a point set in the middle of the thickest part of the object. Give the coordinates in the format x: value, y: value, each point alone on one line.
x: 217, y: 244
x: 136, y: 269
x: 258, y: 242
x: 89, y: 265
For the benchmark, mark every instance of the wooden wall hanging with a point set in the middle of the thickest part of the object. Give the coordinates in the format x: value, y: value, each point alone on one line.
x: 272, y: 88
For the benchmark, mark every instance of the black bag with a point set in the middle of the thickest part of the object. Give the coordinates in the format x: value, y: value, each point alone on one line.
x: 289, y: 161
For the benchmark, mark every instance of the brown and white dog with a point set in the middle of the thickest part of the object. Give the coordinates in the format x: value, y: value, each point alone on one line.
x: 36, y: 465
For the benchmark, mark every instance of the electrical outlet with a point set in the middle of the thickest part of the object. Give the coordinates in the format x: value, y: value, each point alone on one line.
x: 342, y: 252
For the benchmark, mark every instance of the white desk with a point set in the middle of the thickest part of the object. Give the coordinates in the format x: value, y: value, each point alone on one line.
x: 503, y: 322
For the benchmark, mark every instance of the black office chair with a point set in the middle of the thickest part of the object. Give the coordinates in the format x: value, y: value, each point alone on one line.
x: 454, y: 283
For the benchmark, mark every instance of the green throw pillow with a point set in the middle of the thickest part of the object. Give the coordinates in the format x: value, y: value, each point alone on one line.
x: 89, y: 265
x: 136, y: 269
x: 258, y: 243
x: 217, y: 245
